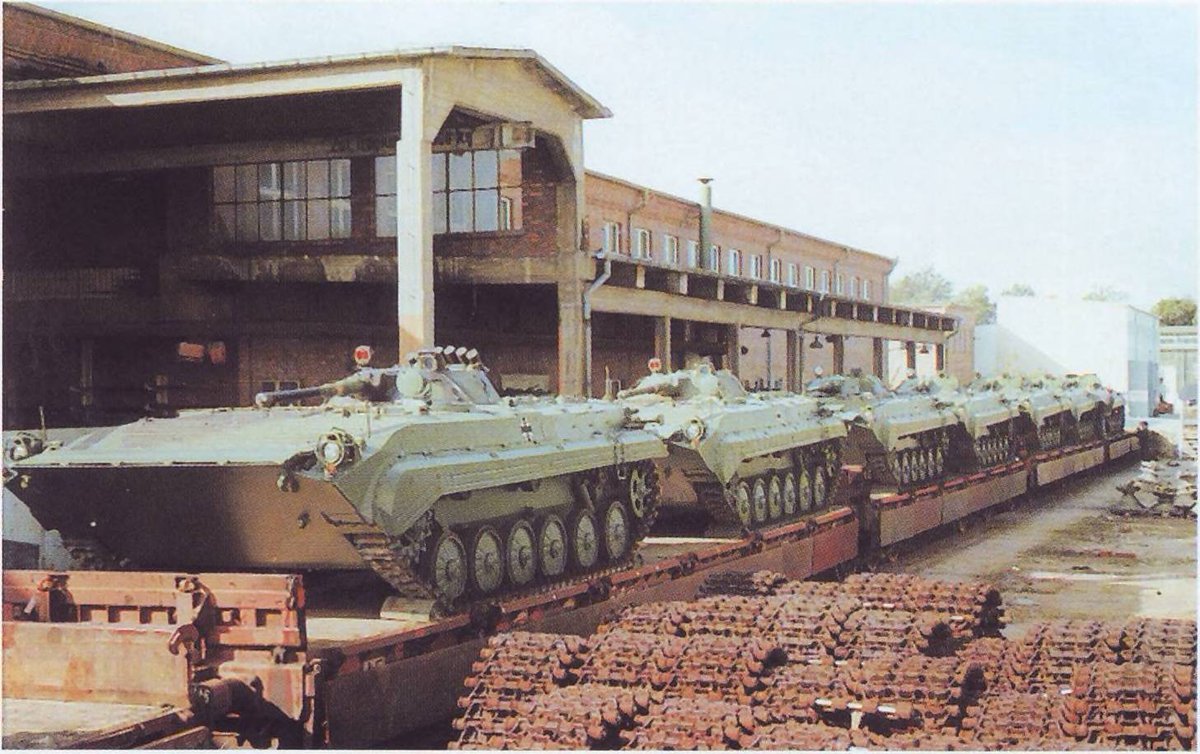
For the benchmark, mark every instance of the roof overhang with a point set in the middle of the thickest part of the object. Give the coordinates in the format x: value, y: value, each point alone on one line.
x: 236, y: 81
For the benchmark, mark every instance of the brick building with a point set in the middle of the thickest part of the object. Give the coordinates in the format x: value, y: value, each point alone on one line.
x: 189, y: 234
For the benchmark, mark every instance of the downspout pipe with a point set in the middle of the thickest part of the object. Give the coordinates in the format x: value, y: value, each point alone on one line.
x: 600, y: 280
x: 706, y: 223
x: 641, y: 205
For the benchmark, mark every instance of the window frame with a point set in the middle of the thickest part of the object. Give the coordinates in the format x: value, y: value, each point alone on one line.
x: 337, y: 201
x: 509, y: 195
x: 793, y: 275
x: 733, y: 262
x: 671, y: 249
x: 810, y: 278
x: 866, y: 289
x: 714, y: 260
x: 639, y: 249
x: 839, y: 284
x: 693, y: 254
x: 824, y: 288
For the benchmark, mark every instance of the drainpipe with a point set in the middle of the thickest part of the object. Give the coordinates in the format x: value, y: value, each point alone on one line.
x: 600, y: 280
x: 705, y: 223
x: 641, y: 205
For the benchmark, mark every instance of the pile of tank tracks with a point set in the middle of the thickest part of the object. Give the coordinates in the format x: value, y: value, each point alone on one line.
x: 879, y: 661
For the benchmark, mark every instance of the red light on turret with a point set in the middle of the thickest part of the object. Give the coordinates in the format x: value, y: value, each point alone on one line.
x: 362, y: 355
x: 655, y: 365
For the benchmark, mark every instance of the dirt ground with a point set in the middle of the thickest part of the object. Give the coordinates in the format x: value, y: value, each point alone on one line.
x: 1062, y: 553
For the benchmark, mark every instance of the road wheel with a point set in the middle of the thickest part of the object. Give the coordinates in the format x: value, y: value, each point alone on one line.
x: 788, y: 494
x: 552, y: 547
x: 774, y: 497
x: 742, y: 504
x: 804, y: 488
x: 487, y: 560
x: 521, y: 554
x: 585, y: 542
x: 758, y: 500
x: 820, y: 489
x: 448, y: 567
x: 616, y: 534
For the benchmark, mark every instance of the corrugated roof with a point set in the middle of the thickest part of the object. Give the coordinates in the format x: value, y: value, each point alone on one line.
x: 586, y: 105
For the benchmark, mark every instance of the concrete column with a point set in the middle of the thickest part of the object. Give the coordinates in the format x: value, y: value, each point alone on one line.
x: 795, y: 361
x: 662, y: 341
x: 414, y: 215
x: 87, y: 360
x: 733, y: 350
x: 910, y: 355
x: 877, y: 352
x: 939, y: 357
x: 574, y: 335
x: 839, y: 354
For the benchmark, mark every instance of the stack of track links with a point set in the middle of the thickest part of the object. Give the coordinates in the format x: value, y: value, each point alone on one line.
x: 877, y: 662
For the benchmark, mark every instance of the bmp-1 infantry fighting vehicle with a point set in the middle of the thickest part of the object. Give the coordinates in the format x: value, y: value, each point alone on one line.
x: 1060, y: 410
x: 420, y: 472
x: 900, y: 440
x: 984, y: 435
x: 751, y: 461
x: 1099, y: 412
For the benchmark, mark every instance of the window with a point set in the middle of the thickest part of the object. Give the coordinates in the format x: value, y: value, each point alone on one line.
x: 775, y: 271
x: 671, y: 249
x: 839, y: 284
x: 756, y: 266
x: 476, y: 192
x: 793, y: 275
x: 733, y: 261
x: 714, y: 260
x: 612, y: 238
x: 853, y: 287
x: 282, y: 201
x: 810, y: 278
x: 866, y: 290
x: 641, y: 243
x: 824, y: 281
x: 385, y: 195
x: 693, y: 253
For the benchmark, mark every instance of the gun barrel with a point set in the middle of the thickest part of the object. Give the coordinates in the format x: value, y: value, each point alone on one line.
x: 347, y: 386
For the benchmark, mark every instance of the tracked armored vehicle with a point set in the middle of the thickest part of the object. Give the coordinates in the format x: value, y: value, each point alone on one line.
x: 985, y: 433
x: 419, y: 472
x: 901, y: 440
x: 751, y: 461
x: 1099, y: 412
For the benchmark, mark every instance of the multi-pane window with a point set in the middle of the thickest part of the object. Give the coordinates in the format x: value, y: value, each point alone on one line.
x: 824, y: 281
x: 775, y: 270
x: 385, y: 195
x: 612, y: 238
x: 756, y: 266
x: 282, y: 201
x: 853, y: 287
x: 793, y: 275
x: 671, y: 249
x: 641, y: 243
x: 866, y: 290
x: 476, y: 192
x: 733, y: 262
x: 810, y: 278
x: 839, y: 284
x: 714, y: 259
x: 693, y: 253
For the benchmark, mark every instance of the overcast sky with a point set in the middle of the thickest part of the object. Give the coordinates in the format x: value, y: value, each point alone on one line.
x: 1048, y: 144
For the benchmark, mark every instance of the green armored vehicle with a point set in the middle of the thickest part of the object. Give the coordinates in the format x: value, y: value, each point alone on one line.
x: 1047, y: 420
x: 1099, y: 412
x: 420, y: 472
x: 751, y: 461
x: 901, y: 440
x: 984, y: 435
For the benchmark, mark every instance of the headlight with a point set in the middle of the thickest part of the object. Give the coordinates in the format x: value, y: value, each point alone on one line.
x: 18, y: 451
x: 694, y: 430
x: 334, y: 448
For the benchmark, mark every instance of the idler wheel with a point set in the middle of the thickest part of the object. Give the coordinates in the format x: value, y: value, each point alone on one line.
x: 522, y: 554
x: 552, y: 546
x: 585, y: 544
x: 617, y: 533
x: 742, y: 504
x: 758, y: 502
x: 774, y: 497
x: 487, y: 560
x: 448, y: 567
x: 640, y: 490
x: 805, y: 488
x: 789, y: 495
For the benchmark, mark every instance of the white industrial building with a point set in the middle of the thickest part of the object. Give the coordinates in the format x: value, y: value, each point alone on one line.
x: 1116, y: 341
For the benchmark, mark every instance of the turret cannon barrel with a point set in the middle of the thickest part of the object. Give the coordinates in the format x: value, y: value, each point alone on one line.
x: 355, y: 384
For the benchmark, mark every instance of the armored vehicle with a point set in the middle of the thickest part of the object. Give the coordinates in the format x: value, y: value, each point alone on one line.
x: 984, y: 435
x: 751, y: 461
x: 900, y: 439
x: 420, y: 472
x: 1098, y: 411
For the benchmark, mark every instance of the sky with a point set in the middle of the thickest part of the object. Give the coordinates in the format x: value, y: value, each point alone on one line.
x: 1052, y: 145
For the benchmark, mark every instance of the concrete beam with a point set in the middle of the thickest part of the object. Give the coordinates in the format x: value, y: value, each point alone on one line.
x: 656, y: 304
x: 856, y: 328
x: 497, y: 270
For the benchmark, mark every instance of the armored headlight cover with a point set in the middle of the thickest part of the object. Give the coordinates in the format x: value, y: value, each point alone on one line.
x: 694, y: 430
x: 335, y: 448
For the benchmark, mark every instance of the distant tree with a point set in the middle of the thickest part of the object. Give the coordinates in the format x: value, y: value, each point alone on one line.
x: 975, y: 298
x: 1105, y: 293
x: 1175, y: 311
x: 925, y: 287
x: 1018, y: 289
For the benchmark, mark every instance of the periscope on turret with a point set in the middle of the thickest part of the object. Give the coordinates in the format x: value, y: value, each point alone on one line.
x: 419, y: 472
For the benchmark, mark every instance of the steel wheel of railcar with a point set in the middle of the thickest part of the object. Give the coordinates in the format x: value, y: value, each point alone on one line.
x: 552, y: 547
x: 804, y: 488
x: 585, y: 545
x: 521, y: 554
x: 774, y: 497
x: 788, y: 494
x: 758, y: 499
x: 487, y: 560
x: 742, y: 504
x: 448, y: 566
x: 820, y: 489
x: 616, y: 535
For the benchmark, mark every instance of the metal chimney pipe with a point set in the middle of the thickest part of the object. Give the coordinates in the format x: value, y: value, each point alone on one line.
x: 705, y: 256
